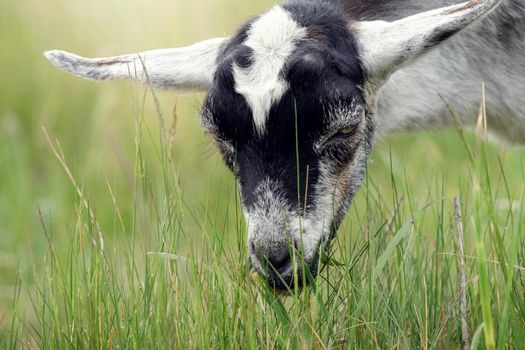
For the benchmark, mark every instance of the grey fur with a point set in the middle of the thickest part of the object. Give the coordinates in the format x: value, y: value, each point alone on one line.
x: 491, y: 51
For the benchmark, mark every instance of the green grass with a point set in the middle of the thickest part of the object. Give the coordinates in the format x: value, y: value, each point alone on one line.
x: 143, y: 244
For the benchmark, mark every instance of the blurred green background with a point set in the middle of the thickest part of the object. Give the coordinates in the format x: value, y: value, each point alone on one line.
x: 95, y: 125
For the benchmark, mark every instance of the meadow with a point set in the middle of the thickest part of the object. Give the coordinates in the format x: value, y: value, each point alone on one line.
x: 121, y: 228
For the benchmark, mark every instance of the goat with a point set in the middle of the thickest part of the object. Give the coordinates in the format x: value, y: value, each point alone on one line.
x: 299, y: 95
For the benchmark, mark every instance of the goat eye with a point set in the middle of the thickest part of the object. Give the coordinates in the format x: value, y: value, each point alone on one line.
x: 342, y: 136
x: 345, y: 132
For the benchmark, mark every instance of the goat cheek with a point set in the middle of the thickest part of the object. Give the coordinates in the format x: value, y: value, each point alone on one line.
x: 340, y: 158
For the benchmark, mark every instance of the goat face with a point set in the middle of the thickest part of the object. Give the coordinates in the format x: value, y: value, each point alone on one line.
x: 287, y: 111
x: 290, y: 105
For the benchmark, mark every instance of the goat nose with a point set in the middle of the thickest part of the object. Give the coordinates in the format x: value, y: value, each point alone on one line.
x: 278, y: 262
x: 275, y: 258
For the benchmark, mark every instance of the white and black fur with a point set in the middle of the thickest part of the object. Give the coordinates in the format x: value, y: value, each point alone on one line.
x: 298, y: 96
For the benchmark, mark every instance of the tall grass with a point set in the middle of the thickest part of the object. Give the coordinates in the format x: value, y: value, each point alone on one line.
x: 126, y: 232
x: 393, y: 281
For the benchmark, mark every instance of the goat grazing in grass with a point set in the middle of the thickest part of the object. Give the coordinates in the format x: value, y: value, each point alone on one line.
x: 298, y: 96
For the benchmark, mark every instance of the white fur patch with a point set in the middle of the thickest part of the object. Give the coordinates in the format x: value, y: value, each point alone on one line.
x: 273, y: 39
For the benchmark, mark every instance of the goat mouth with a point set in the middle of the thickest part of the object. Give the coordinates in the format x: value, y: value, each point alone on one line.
x: 298, y: 276
x: 295, y: 278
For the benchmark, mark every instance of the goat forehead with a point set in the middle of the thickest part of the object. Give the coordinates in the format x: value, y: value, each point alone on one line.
x: 272, y: 39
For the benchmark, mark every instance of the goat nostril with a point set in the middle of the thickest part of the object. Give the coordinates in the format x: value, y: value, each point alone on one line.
x: 280, y: 262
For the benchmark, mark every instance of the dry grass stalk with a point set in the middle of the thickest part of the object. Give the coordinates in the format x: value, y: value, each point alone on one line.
x: 462, y: 274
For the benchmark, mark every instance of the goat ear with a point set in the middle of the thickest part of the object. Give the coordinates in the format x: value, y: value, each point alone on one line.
x: 184, y: 68
x: 386, y: 46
